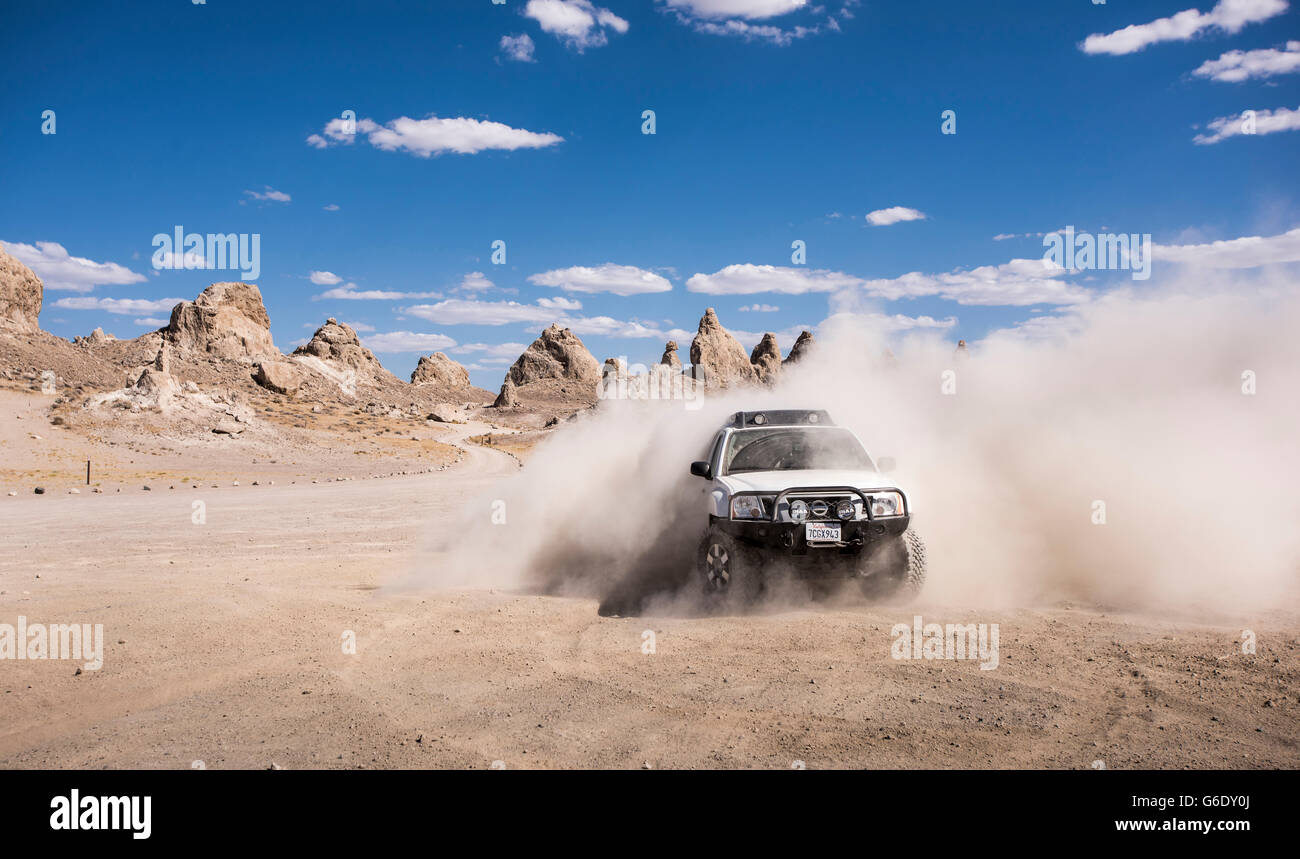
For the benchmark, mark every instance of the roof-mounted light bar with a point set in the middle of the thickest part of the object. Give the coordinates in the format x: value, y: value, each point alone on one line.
x: 781, y: 417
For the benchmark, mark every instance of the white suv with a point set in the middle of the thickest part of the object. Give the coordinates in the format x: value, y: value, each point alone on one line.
x: 790, y: 489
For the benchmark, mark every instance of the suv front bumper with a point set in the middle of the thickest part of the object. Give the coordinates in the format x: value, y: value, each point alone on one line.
x: 856, y: 535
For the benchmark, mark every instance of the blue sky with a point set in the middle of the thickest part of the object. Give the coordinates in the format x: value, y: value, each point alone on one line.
x: 776, y: 121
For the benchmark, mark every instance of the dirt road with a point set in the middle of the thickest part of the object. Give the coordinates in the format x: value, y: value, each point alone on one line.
x: 225, y: 644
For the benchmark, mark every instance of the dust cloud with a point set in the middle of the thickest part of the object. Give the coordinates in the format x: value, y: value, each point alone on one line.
x: 1114, y: 455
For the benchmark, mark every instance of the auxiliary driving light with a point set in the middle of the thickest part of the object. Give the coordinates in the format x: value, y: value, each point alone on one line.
x: 844, y: 509
x: 760, y: 419
x: 798, y: 511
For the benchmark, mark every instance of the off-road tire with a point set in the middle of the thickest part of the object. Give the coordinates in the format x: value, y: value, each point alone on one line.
x: 902, y: 574
x: 727, y: 570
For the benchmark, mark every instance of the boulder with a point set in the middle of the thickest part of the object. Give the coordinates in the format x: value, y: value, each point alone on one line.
x: 720, y: 361
x: 155, y: 383
x: 670, y: 355
x: 227, y: 320
x: 445, y: 414
x: 803, y: 345
x: 438, y: 369
x: 21, y: 292
x: 280, y: 377
x: 508, y: 398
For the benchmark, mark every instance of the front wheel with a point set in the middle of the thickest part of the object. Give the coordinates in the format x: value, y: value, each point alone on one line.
x: 897, y: 569
x: 727, y: 569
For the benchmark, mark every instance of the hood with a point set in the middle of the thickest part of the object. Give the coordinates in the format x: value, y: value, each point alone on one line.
x: 779, y: 481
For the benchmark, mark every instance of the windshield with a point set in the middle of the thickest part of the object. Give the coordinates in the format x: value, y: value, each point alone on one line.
x: 793, y: 448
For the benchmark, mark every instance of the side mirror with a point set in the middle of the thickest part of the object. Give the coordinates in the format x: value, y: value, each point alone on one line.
x: 886, y: 463
x: 701, y: 469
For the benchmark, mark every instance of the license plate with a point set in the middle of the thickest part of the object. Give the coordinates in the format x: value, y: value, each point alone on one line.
x: 822, y: 532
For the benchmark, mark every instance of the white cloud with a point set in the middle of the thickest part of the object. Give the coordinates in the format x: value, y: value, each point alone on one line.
x: 494, y: 355
x: 1020, y: 282
x: 1002, y: 237
x: 1238, y: 66
x: 518, y: 48
x: 332, y: 207
x: 60, y: 271
x: 407, y: 341
x: 121, y: 306
x: 434, y: 135
x: 151, y: 323
x: 457, y: 311
x: 750, y: 9
x: 325, y: 278
x: 349, y: 292
x: 733, y: 17
x: 1228, y: 16
x: 747, y: 279
x: 1244, y: 252
x: 462, y: 311
x: 893, y: 215
x: 559, y: 303
x: 754, y: 32
x: 605, y: 326
x: 580, y: 24
x: 493, y: 351
x: 616, y: 279
x: 270, y: 195
x: 475, y: 281
x: 759, y: 308
x: 889, y: 322
x: 1265, y: 122
x: 1040, y: 328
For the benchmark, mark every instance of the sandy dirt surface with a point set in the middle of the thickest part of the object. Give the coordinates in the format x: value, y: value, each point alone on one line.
x: 224, y: 645
x: 339, y: 444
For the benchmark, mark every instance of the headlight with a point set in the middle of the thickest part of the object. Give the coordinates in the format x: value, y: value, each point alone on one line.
x: 747, y: 507
x: 886, y: 504
x: 798, y: 511
x: 844, y: 510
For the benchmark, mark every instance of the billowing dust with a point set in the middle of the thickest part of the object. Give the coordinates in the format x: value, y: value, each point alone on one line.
x: 1114, y: 456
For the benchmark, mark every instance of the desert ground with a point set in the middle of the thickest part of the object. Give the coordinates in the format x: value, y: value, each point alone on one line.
x: 223, y: 645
